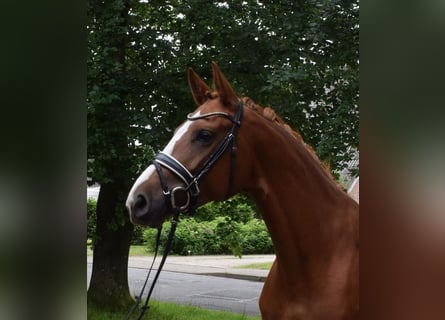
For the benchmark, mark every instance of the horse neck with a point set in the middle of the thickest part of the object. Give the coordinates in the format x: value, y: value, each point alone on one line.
x: 306, y: 212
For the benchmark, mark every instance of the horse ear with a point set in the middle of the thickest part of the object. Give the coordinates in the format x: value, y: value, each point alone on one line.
x: 199, y: 88
x: 222, y: 86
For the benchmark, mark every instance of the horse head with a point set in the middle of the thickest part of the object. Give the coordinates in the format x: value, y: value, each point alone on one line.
x: 198, y: 165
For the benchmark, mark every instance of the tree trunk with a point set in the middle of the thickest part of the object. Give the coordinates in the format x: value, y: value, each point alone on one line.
x: 109, y: 279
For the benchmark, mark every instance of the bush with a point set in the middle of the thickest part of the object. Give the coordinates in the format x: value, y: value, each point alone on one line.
x: 229, y: 232
x: 91, y: 219
x: 228, y: 227
x: 219, y: 236
x: 138, y: 235
x: 191, y: 238
x: 239, y: 208
x: 256, y: 238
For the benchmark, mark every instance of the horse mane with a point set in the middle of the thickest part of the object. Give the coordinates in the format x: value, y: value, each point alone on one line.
x: 270, y: 114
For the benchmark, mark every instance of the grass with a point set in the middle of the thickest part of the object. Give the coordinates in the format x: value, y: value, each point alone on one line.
x: 170, y: 311
x: 262, y: 266
x: 134, y: 251
x: 139, y: 250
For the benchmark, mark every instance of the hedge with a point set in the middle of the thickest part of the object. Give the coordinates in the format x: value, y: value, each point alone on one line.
x: 91, y: 219
x: 219, y: 236
x: 228, y: 227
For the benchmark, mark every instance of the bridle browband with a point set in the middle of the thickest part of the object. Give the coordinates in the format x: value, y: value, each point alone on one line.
x: 190, y: 191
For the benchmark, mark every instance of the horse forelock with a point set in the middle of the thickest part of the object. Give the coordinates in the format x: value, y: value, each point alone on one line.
x: 211, y: 95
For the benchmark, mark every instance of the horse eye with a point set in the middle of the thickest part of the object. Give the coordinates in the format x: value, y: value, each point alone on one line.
x: 204, y: 136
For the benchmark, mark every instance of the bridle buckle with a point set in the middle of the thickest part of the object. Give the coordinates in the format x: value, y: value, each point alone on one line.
x: 175, y: 203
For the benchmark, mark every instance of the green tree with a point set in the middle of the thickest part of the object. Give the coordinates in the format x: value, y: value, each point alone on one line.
x: 130, y: 110
x: 300, y: 57
x: 108, y: 152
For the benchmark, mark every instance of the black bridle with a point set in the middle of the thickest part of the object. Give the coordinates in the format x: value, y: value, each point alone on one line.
x: 190, y: 191
x: 185, y: 198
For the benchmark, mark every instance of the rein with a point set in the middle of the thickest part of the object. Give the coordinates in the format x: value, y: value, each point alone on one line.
x: 190, y: 191
x: 167, y: 248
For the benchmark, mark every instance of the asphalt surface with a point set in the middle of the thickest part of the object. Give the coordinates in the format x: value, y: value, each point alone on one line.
x: 211, y: 282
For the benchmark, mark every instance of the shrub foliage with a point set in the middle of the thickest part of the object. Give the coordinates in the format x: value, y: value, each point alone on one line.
x: 229, y: 227
x: 219, y: 236
x: 91, y: 219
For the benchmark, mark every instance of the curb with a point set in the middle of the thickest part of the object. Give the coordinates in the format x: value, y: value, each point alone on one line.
x: 235, y: 276
x: 207, y: 266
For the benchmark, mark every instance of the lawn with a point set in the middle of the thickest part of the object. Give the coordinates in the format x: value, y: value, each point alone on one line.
x: 139, y: 250
x: 262, y: 266
x: 170, y: 311
x: 134, y: 251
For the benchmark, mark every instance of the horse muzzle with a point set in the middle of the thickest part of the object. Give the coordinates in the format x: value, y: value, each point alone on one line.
x: 146, y: 210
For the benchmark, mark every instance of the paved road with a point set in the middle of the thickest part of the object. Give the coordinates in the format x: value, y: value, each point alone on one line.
x: 209, y: 292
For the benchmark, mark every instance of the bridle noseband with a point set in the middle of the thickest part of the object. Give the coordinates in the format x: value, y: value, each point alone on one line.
x: 190, y: 191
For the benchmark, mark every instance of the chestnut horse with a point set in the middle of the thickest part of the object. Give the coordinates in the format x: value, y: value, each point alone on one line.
x: 231, y: 145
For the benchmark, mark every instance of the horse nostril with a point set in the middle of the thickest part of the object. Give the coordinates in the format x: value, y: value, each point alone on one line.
x: 140, y: 206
